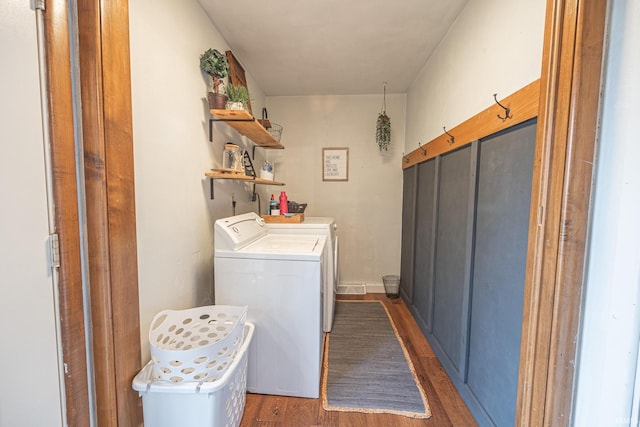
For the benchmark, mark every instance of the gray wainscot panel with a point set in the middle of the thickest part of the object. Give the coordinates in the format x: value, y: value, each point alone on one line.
x: 467, y: 258
x: 408, y: 233
x: 502, y: 223
x: 424, y: 242
x: 451, y: 248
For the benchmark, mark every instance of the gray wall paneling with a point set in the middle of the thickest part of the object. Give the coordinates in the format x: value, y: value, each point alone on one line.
x: 502, y: 214
x: 424, y: 247
x: 468, y: 256
x: 451, y: 253
x: 408, y: 233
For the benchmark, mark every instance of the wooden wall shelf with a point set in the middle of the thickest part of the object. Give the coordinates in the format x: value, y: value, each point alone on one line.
x: 239, y: 177
x: 246, y: 125
x: 212, y: 175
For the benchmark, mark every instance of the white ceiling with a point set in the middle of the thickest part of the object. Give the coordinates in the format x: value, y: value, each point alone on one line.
x: 307, y: 47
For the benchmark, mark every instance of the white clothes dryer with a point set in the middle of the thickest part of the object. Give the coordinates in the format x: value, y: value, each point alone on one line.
x: 323, y: 226
x: 279, y: 277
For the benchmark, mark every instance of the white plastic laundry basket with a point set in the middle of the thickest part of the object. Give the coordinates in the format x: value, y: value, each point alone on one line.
x: 197, y: 344
x: 189, y: 404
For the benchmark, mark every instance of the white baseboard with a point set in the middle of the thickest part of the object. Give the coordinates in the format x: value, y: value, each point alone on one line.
x: 352, y: 289
x: 375, y: 288
x: 360, y: 288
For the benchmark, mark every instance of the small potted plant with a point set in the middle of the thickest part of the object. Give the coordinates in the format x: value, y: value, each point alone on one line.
x: 215, y: 64
x: 237, y: 97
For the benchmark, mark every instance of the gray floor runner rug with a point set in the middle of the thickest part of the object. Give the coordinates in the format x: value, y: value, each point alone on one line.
x: 367, y: 368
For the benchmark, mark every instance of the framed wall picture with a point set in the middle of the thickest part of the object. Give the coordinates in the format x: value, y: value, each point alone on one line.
x: 335, y: 164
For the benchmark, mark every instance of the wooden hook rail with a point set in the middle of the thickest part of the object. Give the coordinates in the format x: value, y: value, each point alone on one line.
x: 525, y: 102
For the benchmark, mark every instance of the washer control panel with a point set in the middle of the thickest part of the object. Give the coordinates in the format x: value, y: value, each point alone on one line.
x: 235, y: 232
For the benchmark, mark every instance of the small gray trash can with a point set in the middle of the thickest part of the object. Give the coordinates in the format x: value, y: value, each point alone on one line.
x: 391, y: 286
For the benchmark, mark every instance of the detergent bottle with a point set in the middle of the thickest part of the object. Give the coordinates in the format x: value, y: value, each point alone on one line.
x: 284, y: 206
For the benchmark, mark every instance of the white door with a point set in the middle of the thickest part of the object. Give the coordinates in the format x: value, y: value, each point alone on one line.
x: 31, y: 390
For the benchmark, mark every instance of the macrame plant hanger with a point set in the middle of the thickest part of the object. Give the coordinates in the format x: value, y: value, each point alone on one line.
x: 383, y: 125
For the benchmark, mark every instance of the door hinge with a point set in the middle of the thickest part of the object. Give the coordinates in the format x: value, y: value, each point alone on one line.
x: 54, y: 245
x: 39, y: 4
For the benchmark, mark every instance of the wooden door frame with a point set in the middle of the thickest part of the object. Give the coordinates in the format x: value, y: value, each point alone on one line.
x: 107, y: 159
x: 107, y: 130
x: 66, y: 222
x: 563, y: 166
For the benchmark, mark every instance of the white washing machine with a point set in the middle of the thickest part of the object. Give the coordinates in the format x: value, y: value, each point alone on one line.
x: 323, y: 226
x: 279, y: 277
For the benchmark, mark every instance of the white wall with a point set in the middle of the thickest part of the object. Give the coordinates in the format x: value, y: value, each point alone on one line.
x: 494, y: 46
x: 608, y: 350
x: 175, y: 215
x: 30, y: 394
x: 367, y: 207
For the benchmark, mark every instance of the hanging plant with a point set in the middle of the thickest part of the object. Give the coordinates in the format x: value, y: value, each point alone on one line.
x: 383, y: 125
x: 383, y: 131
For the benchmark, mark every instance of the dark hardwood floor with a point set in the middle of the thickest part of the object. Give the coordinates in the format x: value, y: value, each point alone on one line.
x: 447, y: 408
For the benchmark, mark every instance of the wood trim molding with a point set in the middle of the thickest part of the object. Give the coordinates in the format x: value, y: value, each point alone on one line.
x: 90, y: 59
x: 123, y: 250
x: 523, y: 105
x: 566, y: 135
x: 64, y: 184
x: 111, y: 231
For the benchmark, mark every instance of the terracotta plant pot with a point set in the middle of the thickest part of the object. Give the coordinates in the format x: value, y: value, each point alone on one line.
x: 217, y: 101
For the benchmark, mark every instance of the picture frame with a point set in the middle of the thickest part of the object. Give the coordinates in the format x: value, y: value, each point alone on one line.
x: 236, y: 74
x: 335, y: 164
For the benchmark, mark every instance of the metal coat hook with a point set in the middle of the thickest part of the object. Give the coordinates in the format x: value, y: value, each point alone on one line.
x: 424, y: 151
x: 507, y: 110
x: 453, y: 138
